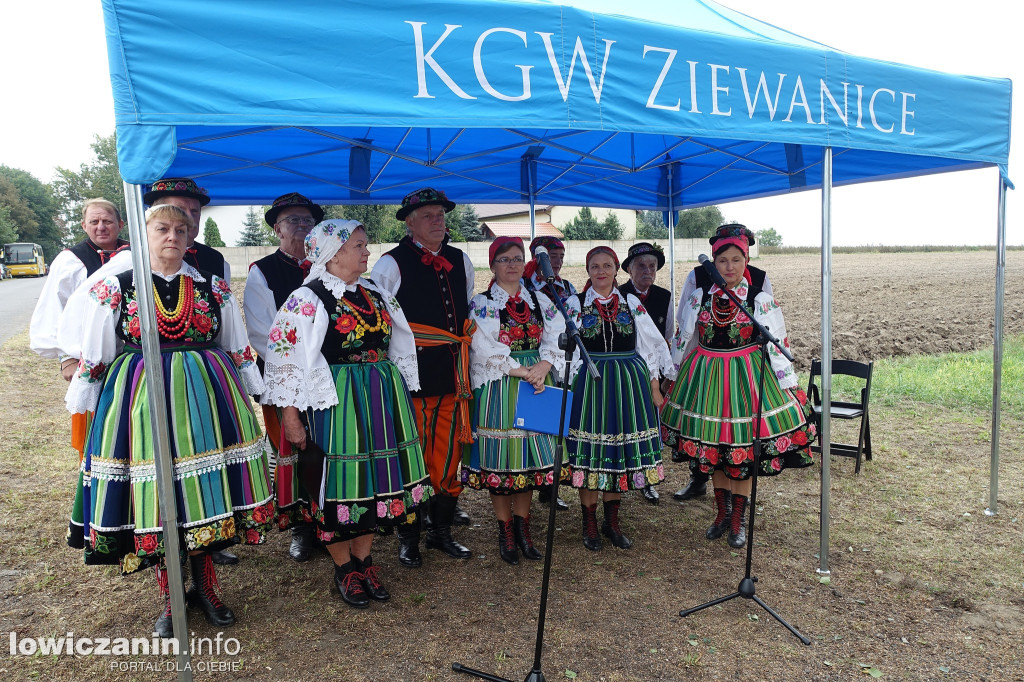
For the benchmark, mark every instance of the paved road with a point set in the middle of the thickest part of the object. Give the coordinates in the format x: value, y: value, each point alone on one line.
x: 17, y: 301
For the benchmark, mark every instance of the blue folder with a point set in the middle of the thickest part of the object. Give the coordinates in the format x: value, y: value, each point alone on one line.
x: 539, y: 412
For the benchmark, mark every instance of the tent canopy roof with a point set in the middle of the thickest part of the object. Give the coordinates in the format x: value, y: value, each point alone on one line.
x: 372, y: 100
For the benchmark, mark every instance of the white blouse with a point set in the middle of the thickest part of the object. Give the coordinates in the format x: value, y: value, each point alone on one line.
x: 93, y: 313
x: 489, y: 358
x: 766, y: 311
x: 297, y: 373
x: 67, y: 273
x: 650, y: 344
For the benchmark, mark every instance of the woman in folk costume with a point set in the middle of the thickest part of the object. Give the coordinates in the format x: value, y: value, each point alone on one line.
x: 220, y: 470
x: 614, y: 442
x: 556, y: 254
x: 514, y: 347
x: 715, y: 398
x: 340, y: 362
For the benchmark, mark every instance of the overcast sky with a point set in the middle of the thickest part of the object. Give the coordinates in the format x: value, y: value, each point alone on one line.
x: 58, y: 97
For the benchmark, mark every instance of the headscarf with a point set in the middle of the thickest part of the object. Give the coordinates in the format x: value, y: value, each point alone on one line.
x: 740, y: 243
x: 323, y: 241
x: 547, y: 242
x: 492, y: 251
x: 595, y: 251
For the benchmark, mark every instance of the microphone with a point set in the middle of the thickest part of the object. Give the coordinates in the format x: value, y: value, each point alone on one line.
x: 544, y: 263
x: 712, y: 271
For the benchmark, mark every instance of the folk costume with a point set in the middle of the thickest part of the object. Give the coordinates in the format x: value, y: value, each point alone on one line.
x: 68, y: 271
x: 344, y: 355
x: 535, y: 282
x: 268, y: 285
x: 715, y: 398
x: 200, y: 256
x: 657, y: 300
x: 511, y: 332
x: 614, y: 443
x: 434, y: 289
x: 220, y: 480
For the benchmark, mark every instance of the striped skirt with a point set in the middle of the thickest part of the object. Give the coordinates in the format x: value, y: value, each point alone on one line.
x: 614, y: 442
x: 713, y: 407
x: 221, y: 484
x: 503, y: 459
x: 374, y: 474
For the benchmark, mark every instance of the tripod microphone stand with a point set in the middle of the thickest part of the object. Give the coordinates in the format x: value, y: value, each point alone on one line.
x: 567, y: 341
x: 746, y: 588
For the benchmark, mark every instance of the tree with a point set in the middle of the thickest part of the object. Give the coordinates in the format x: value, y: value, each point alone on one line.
x: 211, y: 234
x: 254, y: 230
x: 453, y: 222
x: 97, y: 178
x: 470, y: 226
x: 34, y: 196
x: 382, y: 227
x: 768, y: 237
x: 586, y: 226
x: 650, y: 225
x: 8, y: 229
x: 698, y: 222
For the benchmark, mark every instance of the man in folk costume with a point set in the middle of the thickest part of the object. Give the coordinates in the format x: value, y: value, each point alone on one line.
x: 699, y: 278
x: 102, y: 223
x: 433, y: 282
x: 188, y: 196
x: 271, y: 279
x: 642, y: 264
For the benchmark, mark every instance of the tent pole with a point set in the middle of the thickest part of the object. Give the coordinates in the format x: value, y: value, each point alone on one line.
x: 532, y: 170
x: 671, y: 322
x: 158, y: 423
x: 824, y: 435
x: 997, y: 353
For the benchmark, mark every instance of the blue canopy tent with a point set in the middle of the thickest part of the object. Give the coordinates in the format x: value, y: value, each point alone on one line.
x: 504, y: 101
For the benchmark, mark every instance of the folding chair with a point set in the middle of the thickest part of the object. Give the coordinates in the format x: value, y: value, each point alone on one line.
x: 845, y: 410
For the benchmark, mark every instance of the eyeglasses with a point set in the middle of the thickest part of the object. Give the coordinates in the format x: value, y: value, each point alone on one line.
x: 297, y: 220
x: 505, y: 260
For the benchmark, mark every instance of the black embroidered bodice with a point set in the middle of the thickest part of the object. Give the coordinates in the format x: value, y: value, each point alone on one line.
x: 522, y: 328
x: 360, y: 326
x: 200, y: 330
x: 605, y: 329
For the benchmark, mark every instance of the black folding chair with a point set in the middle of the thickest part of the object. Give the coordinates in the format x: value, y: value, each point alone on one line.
x: 845, y: 410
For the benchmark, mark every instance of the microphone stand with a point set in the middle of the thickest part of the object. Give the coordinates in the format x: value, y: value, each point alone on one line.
x: 746, y: 588
x: 568, y: 341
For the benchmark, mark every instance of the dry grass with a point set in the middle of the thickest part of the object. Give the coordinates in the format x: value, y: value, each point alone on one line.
x: 923, y: 586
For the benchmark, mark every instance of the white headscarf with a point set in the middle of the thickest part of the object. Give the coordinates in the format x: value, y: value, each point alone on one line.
x: 323, y: 241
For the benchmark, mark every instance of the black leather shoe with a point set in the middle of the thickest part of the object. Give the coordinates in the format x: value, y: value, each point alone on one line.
x: 544, y: 497
x: 409, y: 546
x: 349, y: 582
x: 301, y: 548
x: 440, y: 537
x: 695, y: 488
x: 203, y: 592
x: 738, y: 527
x: 460, y: 518
x: 610, y: 526
x: 163, y: 627
x: 678, y: 456
x: 507, y: 543
x: 524, y: 540
x: 224, y: 558
x: 651, y: 495
x: 591, y: 539
x: 371, y: 580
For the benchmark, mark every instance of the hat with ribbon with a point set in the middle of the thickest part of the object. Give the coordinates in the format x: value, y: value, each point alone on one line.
x: 644, y: 249
x: 323, y: 241
x: 175, y: 187
x: 732, y: 234
x: 424, y: 197
x: 291, y: 200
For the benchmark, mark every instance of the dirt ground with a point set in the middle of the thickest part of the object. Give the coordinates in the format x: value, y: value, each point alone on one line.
x: 923, y: 585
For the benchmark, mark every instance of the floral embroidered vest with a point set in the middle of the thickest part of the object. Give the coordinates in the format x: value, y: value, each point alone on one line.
x: 520, y: 335
x: 360, y: 326
x: 607, y: 333
x: 723, y: 326
x: 200, y: 330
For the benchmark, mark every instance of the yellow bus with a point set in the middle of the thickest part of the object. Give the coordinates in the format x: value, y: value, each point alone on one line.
x: 24, y: 259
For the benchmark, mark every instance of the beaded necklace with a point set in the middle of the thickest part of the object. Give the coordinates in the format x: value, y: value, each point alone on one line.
x: 726, y: 317
x: 358, y: 312
x: 608, y: 311
x: 512, y: 307
x: 174, y: 324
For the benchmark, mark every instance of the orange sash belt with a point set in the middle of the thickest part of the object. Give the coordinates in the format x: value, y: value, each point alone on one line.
x: 432, y: 336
